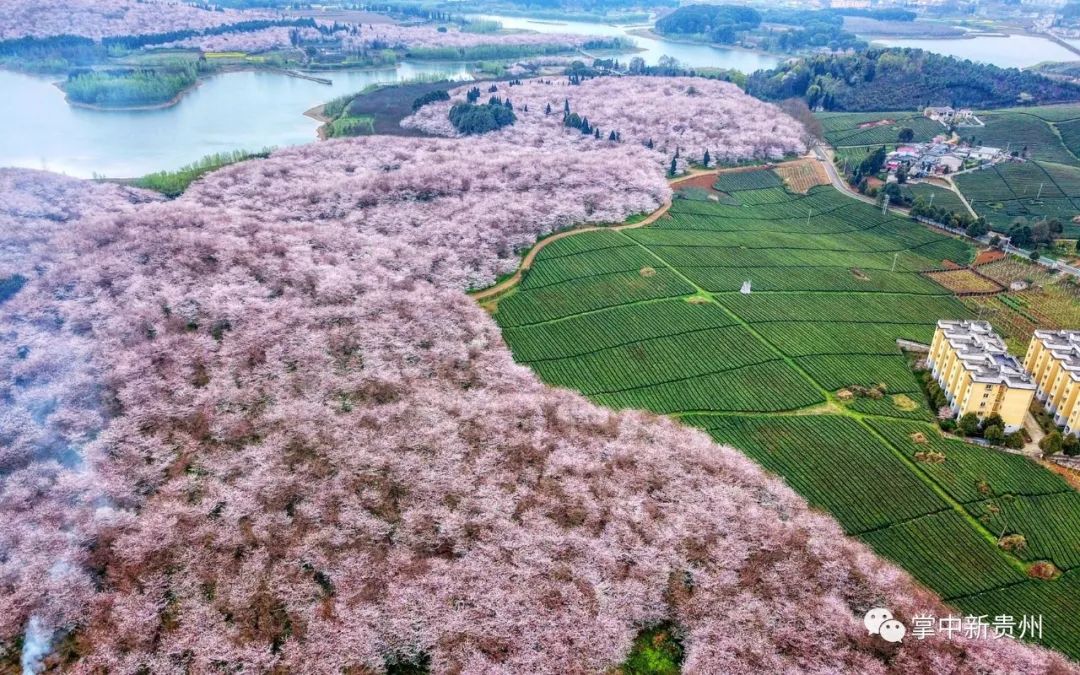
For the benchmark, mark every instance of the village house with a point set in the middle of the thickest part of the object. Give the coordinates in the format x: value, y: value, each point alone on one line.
x: 948, y: 164
x: 977, y: 373
x: 1053, y: 359
x: 947, y: 115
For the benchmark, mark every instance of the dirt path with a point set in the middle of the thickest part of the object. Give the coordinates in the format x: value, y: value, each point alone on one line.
x: 956, y: 191
x: 526, y: 262
x: 1032, y: 449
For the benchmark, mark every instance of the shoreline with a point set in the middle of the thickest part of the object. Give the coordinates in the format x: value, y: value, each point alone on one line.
x: 318, y: 114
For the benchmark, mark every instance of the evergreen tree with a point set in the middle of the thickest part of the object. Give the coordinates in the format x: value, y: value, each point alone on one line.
x: 674, y: 167
x: 705, y: 159
x: 613, y: 137
x: 596, y: 133
x: 566, y: 106
x: 1051, y: 444
x: 547, y: 110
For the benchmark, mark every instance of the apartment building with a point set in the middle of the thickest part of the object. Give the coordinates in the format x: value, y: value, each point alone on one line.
x: 1053, y: 359
x: 977, y: 373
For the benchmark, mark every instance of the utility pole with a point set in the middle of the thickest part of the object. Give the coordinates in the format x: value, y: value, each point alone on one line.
x: 894, y: 258
x: 1038, y: 196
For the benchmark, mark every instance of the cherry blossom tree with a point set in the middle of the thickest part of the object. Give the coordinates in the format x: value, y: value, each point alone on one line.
x: 677, y: 113
x: 105, y: 18
x: 375, y: 36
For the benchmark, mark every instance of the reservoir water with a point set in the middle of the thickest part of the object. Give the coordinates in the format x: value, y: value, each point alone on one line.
x: 687, y: 53
x: 246, y: 110
x: 1007, y: 51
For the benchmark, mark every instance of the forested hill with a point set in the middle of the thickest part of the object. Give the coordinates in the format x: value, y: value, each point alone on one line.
x: 903, y: 79
x: 717, y: 23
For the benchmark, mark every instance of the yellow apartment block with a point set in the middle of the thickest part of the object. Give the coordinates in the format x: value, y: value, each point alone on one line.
x: 978, y: 374
x: 1053, y: 359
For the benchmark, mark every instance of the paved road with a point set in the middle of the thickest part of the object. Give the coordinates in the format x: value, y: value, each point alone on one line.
x: 842, y: 185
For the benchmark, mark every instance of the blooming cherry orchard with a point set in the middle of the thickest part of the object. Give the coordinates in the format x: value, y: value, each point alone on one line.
x: 105, y: 18
x: 375, y: 36
x: 388, y: 35
x: 294, y: 443
x: 688, y: 114
x: 279, y: 37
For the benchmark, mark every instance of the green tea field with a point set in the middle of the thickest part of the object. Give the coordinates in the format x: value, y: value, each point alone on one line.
x: 863, y: 129
x: 804, y: 375
x: 1032, y: 190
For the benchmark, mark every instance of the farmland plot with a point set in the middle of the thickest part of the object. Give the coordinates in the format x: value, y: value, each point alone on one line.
x: 862, y: 469
x: 969, y: 473
x: 1030, y: 190
x: 1027, y: 134
x: 1057, y: 602
x: 856, y: 129
x: 944, y: 552
x: 834, y: 284
x: 1050, y: 524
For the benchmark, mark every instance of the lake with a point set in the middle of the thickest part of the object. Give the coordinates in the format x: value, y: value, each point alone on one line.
x: 1011, y: 51
x: 689, y: 54
x: 245, y: 110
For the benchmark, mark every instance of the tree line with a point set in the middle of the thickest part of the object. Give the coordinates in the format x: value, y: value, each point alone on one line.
x: 904, y: 79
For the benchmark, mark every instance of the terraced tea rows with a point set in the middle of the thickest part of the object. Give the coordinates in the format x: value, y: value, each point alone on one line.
x: 1048, y: 523
x: 803, y: 373
x: 858, y: 129
x: 945, y: 553
x: 860, y: 467
x: 1032, y: 135
x: 969, y: 473
x: 1024, y: 189
x: 1058, y: 603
